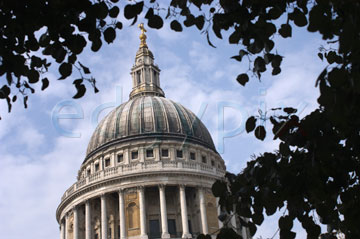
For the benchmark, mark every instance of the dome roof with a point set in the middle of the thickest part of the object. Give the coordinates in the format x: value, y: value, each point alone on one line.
x: 149, y: 116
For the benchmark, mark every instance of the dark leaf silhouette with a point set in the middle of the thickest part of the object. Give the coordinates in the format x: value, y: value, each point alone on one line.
x: 260, y: 132
x: 114, y: 12
x: 65, y: 70
x: 81, y: 89
x: 242, y: 79
x: 45, y: 83
x: 155, y: 21
x: 250, y: 124
x: 109, y: 35
x: 176, y: 26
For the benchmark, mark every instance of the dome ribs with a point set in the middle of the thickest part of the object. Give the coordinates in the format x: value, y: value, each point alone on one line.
x: 134, y: 117
x: 173, y: 120
x: 149, y: 116
x: 195, y: 125
x: 183, y: 119
x: 117, y: 117
x: 107, y: 134
x: 123, y: 124
x: 160, y: 117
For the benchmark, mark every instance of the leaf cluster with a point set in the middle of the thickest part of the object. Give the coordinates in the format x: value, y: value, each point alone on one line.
x: 34, y: 34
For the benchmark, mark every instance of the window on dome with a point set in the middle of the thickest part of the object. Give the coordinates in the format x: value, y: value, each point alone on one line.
x: 212, y: 163
x: 120, y: 158
x: 165, y: 153
x: 97, y: 167
x: 149, y: 153
x: 192, y: 156
x: 179, y: 153
x: 88, y: 172
x: 134, y: 154
x: 107, y: 162
x: 203, y: 159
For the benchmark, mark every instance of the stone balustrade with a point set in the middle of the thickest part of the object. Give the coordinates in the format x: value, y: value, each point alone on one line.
x: 143, y: 167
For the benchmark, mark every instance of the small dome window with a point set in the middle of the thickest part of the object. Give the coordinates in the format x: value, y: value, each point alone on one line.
x: 165, y: 153
x: 203, y: 159
x: 149, y: 153
x: 120, y: 158
x: 134, y: 155
x: 192, y: 156
x: 179, y: 153
x: 107, y: 162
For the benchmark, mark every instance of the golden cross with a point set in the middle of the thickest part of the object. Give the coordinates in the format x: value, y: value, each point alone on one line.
x: 142, y: 35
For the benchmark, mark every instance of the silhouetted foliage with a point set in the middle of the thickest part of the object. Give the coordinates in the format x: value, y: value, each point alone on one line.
x: 316, y: 167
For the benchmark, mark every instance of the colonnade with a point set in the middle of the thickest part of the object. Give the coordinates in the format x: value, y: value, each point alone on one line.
x: 142, y: 208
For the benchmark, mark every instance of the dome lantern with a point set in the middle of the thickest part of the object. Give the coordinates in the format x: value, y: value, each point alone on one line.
x: 145, y: 74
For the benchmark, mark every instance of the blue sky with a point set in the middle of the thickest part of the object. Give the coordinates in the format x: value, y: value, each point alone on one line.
x: 38, y: 163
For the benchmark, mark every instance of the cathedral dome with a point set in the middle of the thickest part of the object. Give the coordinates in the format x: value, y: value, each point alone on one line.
x: 149, y: 116
x: 146, y: 159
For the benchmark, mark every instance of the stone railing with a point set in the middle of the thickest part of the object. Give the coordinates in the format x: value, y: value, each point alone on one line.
x: 143, y: 167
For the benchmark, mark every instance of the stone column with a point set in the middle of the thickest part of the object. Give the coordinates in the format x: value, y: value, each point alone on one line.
x: 122, y: 215
x: 87, y: 220
x: 143, y: 234
x: 172, y: 153
x: 112, y: 159
x: 204, y: 224
x: 219, y: 212
x: 157, y: 153
x: 66, y: 221
x: 62, y: 230
x: 184, y: 216
x: 76, y: 223
x: 104, y: 226
x: 163, y: 211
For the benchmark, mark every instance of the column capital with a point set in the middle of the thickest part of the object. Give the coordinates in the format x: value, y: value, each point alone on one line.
x: 162, y: 185
x: 182, y: 186
x: 140, y: 187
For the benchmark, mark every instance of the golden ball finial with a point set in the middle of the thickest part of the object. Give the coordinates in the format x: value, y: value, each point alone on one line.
x: 142, y: 35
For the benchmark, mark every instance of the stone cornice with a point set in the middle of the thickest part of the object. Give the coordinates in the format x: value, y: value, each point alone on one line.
x: 85, y: 186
